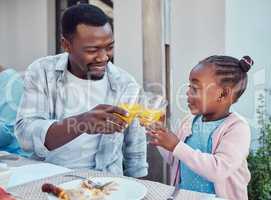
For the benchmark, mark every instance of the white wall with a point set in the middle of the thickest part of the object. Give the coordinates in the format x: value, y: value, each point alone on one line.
x: 197, y: 31
x: 129, y: 36
x: 248, y: 32
x: 27, y: 31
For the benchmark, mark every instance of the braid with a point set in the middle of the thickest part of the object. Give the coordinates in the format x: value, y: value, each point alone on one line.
x: 231, y: 72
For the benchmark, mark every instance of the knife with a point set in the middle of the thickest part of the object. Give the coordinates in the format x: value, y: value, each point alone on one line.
x: 174, y: 193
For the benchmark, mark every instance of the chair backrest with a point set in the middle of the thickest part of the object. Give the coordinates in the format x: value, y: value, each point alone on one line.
x: 1, y: 68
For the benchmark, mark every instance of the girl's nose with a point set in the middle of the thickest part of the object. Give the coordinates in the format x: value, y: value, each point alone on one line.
x: 188, y: 93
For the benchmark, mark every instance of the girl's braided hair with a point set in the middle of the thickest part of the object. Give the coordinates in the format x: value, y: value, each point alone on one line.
x: 231, y: 72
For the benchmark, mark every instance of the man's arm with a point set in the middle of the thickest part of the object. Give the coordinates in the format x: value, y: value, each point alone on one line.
x: 135, y: 151
x: 101, y: 119
x: 38, y: 132
x: 33, y: 118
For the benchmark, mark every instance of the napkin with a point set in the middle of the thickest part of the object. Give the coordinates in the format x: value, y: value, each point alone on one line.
x: 32, y: 172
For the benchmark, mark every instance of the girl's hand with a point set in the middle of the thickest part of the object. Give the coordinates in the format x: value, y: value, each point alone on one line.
x: 162, y: 137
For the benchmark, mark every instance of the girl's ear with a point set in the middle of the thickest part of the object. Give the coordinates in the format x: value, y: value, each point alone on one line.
x: 66, y: 45
x: 226, y: 93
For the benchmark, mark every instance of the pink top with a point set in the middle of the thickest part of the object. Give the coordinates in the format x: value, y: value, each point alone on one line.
x: 226, y: 167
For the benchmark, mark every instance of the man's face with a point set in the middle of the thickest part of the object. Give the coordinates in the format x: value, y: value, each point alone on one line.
x: 90, y: 49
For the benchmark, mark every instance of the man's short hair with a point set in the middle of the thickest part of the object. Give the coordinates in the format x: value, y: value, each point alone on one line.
x: 81, y: 14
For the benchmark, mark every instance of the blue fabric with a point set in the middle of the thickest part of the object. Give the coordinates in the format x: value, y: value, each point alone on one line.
x: 201, y: 139
x: 11, y: 88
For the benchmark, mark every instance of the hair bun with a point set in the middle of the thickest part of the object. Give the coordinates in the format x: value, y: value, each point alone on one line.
x: 245, y: 63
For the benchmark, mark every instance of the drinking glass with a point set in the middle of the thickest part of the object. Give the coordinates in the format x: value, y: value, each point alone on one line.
x: 129, y: 101
x: 153, y: 108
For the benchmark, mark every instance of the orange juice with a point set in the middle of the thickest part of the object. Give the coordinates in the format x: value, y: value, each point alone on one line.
x: 132, y: 109
x: 149, y: 116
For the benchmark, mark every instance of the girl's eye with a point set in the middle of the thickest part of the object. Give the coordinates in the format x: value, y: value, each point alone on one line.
x: 193, y: 88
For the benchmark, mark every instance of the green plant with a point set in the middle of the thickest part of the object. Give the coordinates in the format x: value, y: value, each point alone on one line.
x: 259, y: 161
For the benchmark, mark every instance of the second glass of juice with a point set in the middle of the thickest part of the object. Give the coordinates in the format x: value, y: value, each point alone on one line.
x: 153, y: 108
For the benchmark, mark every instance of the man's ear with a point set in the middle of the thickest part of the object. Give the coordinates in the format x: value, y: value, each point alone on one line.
x: 66, y: 44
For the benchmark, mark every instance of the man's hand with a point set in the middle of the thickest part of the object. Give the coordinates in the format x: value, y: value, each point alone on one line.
x: 104, y: 119
x: 162, y: 137
x: 100, y: 119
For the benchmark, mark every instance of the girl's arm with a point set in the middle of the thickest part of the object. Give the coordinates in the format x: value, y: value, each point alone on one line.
x: 168, y: 146
x: 172, y: 140
x: 228, y: 157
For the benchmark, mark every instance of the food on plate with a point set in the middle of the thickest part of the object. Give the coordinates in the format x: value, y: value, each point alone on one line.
x: 71, y: 194
x: 85, y: 191
x: 102, y: 190
x: 56, y: 191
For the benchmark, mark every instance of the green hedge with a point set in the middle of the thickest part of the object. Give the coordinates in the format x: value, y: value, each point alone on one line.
x: 259, y: 161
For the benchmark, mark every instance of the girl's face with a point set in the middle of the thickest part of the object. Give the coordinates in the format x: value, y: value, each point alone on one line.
x: 204, y: 94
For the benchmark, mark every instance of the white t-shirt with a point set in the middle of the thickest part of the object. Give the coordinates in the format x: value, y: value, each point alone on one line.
x: 81, y: 96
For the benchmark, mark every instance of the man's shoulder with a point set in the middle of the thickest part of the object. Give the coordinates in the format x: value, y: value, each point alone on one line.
x: 48, y: 63
x: 120, y: 75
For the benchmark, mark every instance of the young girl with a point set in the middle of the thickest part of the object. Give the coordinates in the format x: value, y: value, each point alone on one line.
x: 208, y: 153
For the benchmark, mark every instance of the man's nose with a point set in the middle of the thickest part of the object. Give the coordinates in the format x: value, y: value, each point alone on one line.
x: 188, y: 93
x: 102, y: 56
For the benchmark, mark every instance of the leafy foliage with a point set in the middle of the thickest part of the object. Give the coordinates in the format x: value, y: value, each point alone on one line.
x: 259, y: 161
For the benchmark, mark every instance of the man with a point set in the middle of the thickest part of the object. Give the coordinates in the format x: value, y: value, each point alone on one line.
x: 11, y: 88
x: 66, y: 115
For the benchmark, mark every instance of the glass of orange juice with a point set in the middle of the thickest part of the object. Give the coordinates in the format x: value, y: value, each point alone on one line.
x: 132, y: 109
x: 153, y: 108
x: 129, y: 101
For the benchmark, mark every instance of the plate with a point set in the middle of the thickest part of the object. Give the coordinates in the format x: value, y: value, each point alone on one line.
x: 126, y: 190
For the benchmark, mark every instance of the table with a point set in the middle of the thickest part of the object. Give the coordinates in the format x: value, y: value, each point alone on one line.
x: 156, y: 191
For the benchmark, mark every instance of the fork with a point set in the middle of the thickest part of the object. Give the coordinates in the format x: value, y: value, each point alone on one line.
x: 8, y: 157
x: 95, y: 185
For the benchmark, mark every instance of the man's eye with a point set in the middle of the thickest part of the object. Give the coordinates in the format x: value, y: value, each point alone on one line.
x: 109, y: 48
x: 91, y: 50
